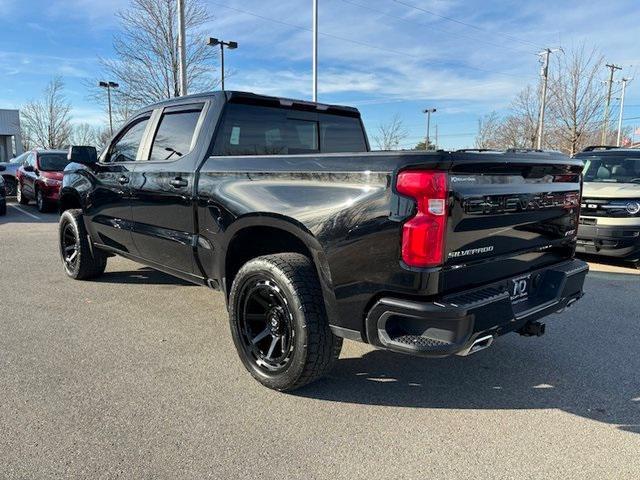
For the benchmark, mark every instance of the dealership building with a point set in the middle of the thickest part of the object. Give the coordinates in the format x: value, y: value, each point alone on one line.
x: 10, y: 141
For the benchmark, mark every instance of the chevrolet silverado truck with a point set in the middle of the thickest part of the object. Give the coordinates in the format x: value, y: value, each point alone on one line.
x: 610, y: 213
x: 312, y: 238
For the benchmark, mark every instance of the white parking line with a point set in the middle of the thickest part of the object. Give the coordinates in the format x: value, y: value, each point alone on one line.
x: 24, y: 211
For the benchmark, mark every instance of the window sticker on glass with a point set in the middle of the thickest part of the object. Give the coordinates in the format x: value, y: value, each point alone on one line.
x: 235, y: 136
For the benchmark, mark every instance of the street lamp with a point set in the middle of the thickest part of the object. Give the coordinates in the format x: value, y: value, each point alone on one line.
x: 109, y: 86
x: 212, y: 42
x: 428, y: 111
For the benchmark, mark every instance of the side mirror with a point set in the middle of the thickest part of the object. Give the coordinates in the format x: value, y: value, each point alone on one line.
x: 82, y: 154
x: 28, y: 168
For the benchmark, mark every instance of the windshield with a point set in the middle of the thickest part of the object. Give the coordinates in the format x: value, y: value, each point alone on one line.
x: 612, y: 169
x: 52, y: 162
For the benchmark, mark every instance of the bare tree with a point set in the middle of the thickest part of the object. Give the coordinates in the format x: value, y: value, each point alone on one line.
x: 488, y: 129
x: 46, y: 123
x: 574, y: 107
x: 390, y: 135
x: 146, y: 66
x: 84, y: 134
x: 525, y: 109
x: 576, y: 99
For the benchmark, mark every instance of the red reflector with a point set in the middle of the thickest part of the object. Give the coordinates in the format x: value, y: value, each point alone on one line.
x: 423, y: 234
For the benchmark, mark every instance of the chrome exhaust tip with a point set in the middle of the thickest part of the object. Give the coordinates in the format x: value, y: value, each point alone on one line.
x: 478, y: 344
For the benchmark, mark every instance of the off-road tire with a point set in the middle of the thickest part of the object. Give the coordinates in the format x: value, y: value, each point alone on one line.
x: 315, y: 348
x: 89, y: 262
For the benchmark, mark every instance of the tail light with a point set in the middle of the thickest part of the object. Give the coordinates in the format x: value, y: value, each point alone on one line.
x: 423, y: 234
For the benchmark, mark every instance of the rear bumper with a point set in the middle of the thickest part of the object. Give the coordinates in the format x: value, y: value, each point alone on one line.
x: 610, y: 241
x: 454, y: 323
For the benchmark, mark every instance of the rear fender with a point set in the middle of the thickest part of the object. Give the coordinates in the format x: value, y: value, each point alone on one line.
x: 299, y: 231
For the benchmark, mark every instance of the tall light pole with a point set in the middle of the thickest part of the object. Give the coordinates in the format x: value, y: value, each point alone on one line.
x: 315, y: 51
x: 182, y: 50
x: 544, y: 73
x: 428, y: 111
x: 109, y: 86
x: 605, y: 125
x: 624, y: 87
x: 212, y: 42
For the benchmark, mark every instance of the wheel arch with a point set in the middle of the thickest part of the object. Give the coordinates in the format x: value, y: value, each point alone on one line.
x: 69, y: 199
x: 255, y: 235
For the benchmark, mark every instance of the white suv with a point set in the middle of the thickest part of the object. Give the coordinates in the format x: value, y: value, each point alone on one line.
x: 610, y: 213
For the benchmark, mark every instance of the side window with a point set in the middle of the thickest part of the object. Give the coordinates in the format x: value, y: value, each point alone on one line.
x: 341, y: 134
x: 175, y: 132
x: 125, y: 148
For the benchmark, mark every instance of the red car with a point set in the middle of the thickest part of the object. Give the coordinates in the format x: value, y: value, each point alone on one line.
x: 39, y: 178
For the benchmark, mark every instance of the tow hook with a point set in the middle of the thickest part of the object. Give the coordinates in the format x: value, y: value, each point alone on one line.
x: 533, y: 329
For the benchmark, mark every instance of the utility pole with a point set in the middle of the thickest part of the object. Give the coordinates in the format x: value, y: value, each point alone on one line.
x: 182, y: 50
x: 428, y: 111
x: 212, y: 42
x: 544, y: 73
x: 605, y: 125
x: 315, y: 51
x: 109, y: 86
x: 436, y: 144
x: 624, y: 87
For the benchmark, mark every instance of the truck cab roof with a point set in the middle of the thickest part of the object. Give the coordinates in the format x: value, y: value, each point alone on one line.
x: 232, y: 96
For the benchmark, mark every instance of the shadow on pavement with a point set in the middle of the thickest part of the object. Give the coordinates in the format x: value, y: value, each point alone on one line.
x: 587, y: 364
x: 557, y: 372
x: 609, y: 261
x: 145, y: 275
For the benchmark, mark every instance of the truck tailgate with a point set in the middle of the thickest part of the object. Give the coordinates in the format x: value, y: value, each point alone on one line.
x: 509, y: 216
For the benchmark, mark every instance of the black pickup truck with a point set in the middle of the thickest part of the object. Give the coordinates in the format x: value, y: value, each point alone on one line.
x: 311, y: 238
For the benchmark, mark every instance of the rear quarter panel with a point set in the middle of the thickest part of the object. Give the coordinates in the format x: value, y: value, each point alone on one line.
x: 338, y: 204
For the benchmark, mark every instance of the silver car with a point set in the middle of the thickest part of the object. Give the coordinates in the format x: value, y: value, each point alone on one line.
x: 3, y: 200
x: 9, y: 174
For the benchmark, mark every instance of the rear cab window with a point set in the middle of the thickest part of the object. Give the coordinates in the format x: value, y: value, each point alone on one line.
x: 260, y: 130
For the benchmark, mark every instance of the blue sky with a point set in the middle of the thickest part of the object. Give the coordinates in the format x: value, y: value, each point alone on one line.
x: 465, y: 58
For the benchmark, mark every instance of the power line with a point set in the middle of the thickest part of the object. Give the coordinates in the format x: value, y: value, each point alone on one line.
x: 422, y: 24
x: 365, y: 44
x: 476, y: 27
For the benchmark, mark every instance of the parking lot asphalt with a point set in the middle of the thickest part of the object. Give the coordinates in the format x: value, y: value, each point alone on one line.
x: 134, y: 375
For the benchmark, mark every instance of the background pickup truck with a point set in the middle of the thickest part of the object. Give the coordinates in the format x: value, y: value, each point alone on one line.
x: 311, y: 238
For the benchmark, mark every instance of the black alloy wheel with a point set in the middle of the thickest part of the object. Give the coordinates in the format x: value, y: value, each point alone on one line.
x: 278, y: 321
x: 266, y: 324
x: 70, y: 247
x: 80, y: 260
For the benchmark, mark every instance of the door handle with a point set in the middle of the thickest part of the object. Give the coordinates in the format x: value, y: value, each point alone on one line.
x: 123, y: 179
x: 178, y: 183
